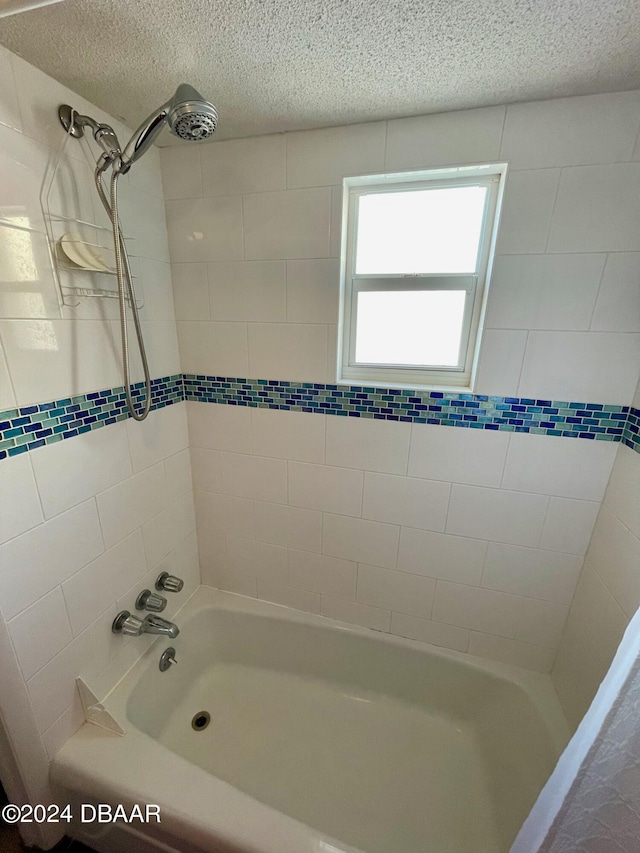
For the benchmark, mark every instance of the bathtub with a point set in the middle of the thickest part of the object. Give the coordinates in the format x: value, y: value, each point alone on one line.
x: 323, y: 737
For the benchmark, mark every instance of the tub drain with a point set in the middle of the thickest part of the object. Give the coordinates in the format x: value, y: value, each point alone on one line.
x: 200, y: 721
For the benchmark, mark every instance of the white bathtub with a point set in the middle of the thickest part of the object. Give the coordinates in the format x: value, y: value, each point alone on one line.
x: 324, y: 737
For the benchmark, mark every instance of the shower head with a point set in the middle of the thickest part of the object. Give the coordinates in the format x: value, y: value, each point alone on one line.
x: 188, y: 115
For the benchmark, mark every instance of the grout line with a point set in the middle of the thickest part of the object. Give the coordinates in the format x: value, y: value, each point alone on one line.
x: 597, y: 299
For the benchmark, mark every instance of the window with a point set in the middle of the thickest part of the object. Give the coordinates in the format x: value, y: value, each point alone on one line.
x: 416, y: 255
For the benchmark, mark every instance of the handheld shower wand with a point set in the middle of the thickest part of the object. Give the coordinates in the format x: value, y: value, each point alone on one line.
x: 188, y: 116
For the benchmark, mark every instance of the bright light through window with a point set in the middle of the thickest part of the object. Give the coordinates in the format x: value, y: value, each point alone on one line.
x: 410, y: 327
x: 420, y: 231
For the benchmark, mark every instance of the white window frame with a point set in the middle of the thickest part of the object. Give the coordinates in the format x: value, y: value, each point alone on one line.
x: 432, y: 377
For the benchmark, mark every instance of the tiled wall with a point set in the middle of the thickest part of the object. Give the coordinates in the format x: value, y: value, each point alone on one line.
x: 466, y: 538
x: 87, y: 522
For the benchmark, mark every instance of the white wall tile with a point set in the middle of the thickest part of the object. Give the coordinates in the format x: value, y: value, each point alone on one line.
x: 595, y: 367
x: 220, y: 427
x: 614, y: 552
x: 291, y: 224
x: 37, y: 561
x: 232, y: 581
x: 568, y: 525
x: 177, y: 469
x: 512, y: 517
x: 541, y: 622
x: 212, y: 554
x: 168, y: 529
x: 205, y: 229
x: 435, y: 633
x: 207, y: 474
x: 546, y: 575
x: 190, y: 290
x: 323, y: 574
x: 405, y: 500
x: 336, y: 222
x: 258, y: 477
x: 480, y: 609
x: 623, y: 493
x: 288, y: 351
x: 597, y: 209
x: 467, y: 136
x: 181, y: 172
x: 161, y: 435
x: 397, y: 591
x: 570, y: 468
x: 40, y: 632
x: 251, y: 165
x: 526, y: 211
x: 248, y: 291
x: 618, y: 306
x: 374, y: 445
x: 544, y: 291
x: 216, y: 349
x: 288, y: 525
x: 9, y: 109
x: 439, y: 555
x: 288, y: 435
x: 20, y: 508
x: 258, y: 559
x: 7, y: 397
x: 474, y: 457
x: 571, y: 131
x: 355, y: 612
x: 224, y: 514
x: 323, y: 157
x: 361, y: 541
x: 511, y: 651
x: 279, y: 593
x: 313, y: 288
x: 500, y: 364
x: 131, y: 503
x: 325, y: 488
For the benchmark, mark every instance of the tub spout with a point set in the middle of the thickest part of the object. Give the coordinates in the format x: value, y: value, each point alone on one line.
x: 157, y: 625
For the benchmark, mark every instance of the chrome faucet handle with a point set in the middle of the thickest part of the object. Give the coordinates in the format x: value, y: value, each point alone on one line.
x: 151, y: 601
x: 169, y: 583
x: 125, y: 623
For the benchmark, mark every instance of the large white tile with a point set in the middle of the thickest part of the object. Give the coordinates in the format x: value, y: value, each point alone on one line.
x: 257, y: 559
x: 614, y: 552
x: 248, y: 291
x: 361, y: 541
x: 618, y: 306
x: 205, y: 229
x: 161, y: 344
x: 190, y: 291
x: 435, y: 633
x: 40, y: 632
x: 526, y: 211
x: 544, y: 291
x: 323, y: 157
x: 405, y: 500
x: 161, y: 435
x: 373, y: 445
x: 571, y: 131
x: 325, y: 488
x: 398, y: 591
x: 212, y: 554
x: 313, y: 289
x: 27, y: 287
x: 569, y: 468
x: 251, y: 165
x: 207, y: 474
x: 568, y: 525
x: 596, y: 367
x: 9, y: 109
x: 288, y: 435
x: 37, y: 561
x: 157, y: 288
x: 289, y: 596
x: 166, y: 530
x: 20, y: 508
x: 479, y: 609
x: 7, y: 397
x: 22, y: 165
x: 95, y: 588
x: 356, y: 613
x: 512, y: 652
x: 219, y: 427
x: 214, y: 349
x: 541, y: 622
x: 181, y: 172
x: 512, y: 517
x: 439, y: 555
x: 500, y: 363
x: 467, y: 136
x: 288, y: 525
x: 291, y: 224
x: 131, y: 503
x: 177, y: 469
x: 257, y: 477
x: 547, y: 575
x: 623, y: 493
x: 225, y: 514
x: 320, y: 573
x: 474, y: 457
x: 288, y: 351
x: 597, y: 209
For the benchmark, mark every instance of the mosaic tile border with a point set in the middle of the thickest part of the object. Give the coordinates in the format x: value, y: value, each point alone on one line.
x: 28, y: 427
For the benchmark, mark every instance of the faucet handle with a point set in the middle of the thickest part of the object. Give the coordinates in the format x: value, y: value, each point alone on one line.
x: 148, y: 600
x: 125, y: 623
x: 169, y: 583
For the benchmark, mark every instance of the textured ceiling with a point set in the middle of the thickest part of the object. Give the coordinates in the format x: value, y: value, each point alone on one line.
x: 274, y: 65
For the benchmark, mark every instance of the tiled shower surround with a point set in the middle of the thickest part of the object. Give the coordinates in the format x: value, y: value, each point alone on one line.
x: 384, y: 512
